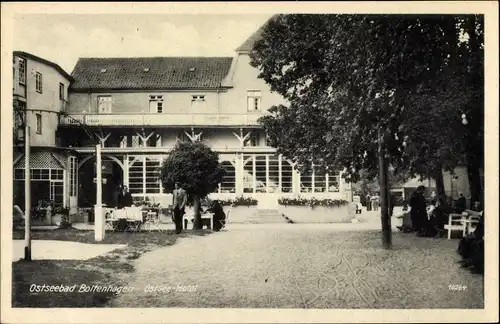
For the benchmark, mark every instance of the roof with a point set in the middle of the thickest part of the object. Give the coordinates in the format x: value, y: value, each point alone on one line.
x: 248, y: 44
x: 148, y: 73
x: 43, y: 61
x: 42, y: 160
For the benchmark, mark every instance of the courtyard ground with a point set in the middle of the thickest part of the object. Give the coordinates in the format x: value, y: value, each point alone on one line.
x: 262, y: 265
x: 296, y: 266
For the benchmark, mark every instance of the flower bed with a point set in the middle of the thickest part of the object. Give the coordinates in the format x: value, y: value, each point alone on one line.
x: 239, y: 201
x: 304, y: 210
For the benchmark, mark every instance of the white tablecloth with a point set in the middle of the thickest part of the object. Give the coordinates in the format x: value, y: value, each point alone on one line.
x: 133, y: 213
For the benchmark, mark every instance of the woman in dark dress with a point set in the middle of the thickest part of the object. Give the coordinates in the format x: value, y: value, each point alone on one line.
x: 219, y: 215
x: 418, y: 210
x: 125, y: 198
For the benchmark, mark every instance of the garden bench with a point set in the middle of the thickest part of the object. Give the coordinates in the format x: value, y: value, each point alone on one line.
x: 465, y: 222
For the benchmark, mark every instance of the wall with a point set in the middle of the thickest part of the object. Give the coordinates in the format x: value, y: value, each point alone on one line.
x: 138, y: 101
x: 46, y: 103
x: 244, y: 78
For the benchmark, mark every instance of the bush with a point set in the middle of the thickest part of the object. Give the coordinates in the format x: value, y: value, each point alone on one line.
x: 311, y: 202
x: 65, y: 220
x: 239, y: 201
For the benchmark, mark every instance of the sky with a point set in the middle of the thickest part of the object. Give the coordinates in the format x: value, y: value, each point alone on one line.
x: 62, y: 39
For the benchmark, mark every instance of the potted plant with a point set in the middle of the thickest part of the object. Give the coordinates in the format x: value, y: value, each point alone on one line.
x: 65, y: 218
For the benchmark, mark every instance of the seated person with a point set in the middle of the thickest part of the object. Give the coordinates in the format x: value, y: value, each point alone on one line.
x: 471, y: 248
x: 219, y: 216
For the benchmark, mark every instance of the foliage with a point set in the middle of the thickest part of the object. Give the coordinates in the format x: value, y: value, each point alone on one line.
x: 311, y: 202
x: 65, y: 220
x: 239, y: 201
x: 349, y: 78
x: 195, y: 166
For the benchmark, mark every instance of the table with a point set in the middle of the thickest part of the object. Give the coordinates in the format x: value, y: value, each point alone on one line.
x: 190, y: 217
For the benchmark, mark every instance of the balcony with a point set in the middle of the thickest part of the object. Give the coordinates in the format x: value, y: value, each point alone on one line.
x: 159, y: 120
x: 167, y: 149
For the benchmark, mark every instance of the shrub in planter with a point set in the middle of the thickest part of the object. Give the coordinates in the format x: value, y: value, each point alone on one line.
x: 239, y: 201
x: 311, y: 202
x: 65, y: 220
x: 313, y: 210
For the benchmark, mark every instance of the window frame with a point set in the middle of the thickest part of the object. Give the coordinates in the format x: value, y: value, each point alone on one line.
x: 110, y: 104
x: 158, y: 100
x: 61, y: 91
x: 256, y: 97
x: 39, y: 125
x: 22, y: 74
x: 39, y: 82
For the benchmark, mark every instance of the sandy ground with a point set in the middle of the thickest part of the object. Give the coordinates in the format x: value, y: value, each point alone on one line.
x: 61, y: 250
x: 303, y: 266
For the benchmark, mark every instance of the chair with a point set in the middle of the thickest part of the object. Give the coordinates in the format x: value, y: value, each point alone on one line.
x: 456, y: 222
x: 133, y: 225
x: 110, y: 221
x: 224, y: 222
x: 152, y: 222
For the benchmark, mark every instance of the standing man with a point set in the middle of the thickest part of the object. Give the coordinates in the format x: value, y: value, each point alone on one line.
x: 179, y: 204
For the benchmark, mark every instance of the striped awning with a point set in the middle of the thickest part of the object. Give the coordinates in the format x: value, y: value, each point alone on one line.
x: 42, y: 160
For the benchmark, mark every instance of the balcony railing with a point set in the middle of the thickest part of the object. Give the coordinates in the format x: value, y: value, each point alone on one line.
x: 167, y: 149
x: 151, y: 119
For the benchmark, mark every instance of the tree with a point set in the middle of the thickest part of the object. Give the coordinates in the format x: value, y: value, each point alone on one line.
x: 197, y: 168
x: 346, y: 77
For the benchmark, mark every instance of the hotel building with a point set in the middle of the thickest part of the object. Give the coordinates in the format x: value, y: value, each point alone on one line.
x: 139, y: 108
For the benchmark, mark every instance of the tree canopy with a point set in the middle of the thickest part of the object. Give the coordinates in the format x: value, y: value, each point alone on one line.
x: 347, y: 77
x: 197, y: 168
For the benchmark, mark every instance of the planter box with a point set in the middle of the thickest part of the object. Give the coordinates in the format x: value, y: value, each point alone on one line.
x: 318, y: 214
x: 241, y: 214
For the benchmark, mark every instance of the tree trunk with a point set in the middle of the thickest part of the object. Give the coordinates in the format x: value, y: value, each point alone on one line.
x: 438, y: 177
x: 474, y: 177
x: 197, y: 215
x: 384, y: 196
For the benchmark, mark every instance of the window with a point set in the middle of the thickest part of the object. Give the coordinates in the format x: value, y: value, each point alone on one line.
x: 144, y: 174
x: 198, y: 98
x: 198, y: 101
x: 22, y: 71
x: 38, y: 123
x: 104, y: 104
x: 254, y: 98
x: 39, y: 86
x: 61, y: 91
x: 156, y: 104
x: 72, y: 176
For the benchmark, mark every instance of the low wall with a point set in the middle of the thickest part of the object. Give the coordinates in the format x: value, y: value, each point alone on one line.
x: 240, y: 214
x: 318, y: 214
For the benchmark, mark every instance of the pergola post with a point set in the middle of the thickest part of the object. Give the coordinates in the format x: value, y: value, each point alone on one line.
x: 99, y: 231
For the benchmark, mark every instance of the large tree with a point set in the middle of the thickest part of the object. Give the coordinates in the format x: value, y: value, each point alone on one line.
x: 348, y: 78
x: 197, y: 168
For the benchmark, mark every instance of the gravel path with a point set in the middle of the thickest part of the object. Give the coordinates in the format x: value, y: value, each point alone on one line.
x: 296, y: 266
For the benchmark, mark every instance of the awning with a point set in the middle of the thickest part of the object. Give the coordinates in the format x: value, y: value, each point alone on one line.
x: 42, y: 160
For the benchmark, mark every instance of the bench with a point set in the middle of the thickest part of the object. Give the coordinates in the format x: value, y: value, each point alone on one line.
x: 465, y: 222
